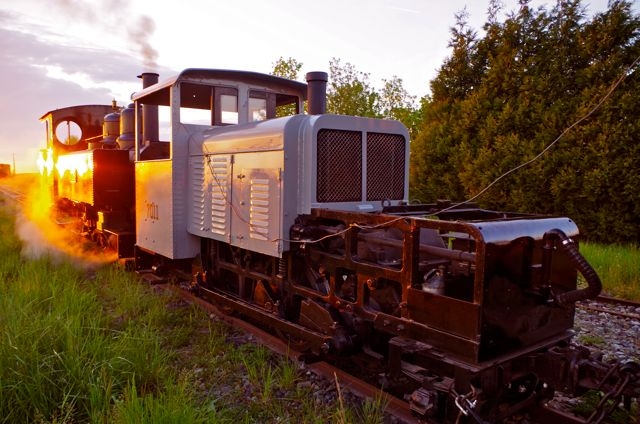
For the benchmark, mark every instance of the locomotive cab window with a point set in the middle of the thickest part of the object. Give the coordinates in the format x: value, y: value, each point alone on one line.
x: 228, y: 107
x: 152, y: 125
x: 68, y: 132
x: 208, y: 105
x: 196, y: 104
x: 258, y: 106
x: 287, y: 105
x: 264, y: 105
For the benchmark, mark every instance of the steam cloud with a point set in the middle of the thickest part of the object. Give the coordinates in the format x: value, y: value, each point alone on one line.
x: 113, y: 15
x: 42, y: 236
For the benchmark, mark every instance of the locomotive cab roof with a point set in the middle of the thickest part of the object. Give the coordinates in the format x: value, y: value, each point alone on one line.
x: 159, y: 92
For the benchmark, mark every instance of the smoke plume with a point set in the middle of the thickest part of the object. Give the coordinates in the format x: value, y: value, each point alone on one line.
x: 139, y: 35
x: 113, y: 16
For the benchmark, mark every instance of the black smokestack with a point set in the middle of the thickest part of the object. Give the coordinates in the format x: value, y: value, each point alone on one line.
x: 317, y: 92
x: 150, y: 131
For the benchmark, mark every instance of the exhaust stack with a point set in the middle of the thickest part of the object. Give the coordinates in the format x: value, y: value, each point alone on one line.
x: 150, y: 131
x: 317, y: 92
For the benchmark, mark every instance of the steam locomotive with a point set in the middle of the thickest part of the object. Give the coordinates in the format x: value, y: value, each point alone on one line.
x: 301, y: 222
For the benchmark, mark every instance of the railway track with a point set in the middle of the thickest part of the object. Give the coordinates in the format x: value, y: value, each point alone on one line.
x: 396, y: 408
x: 617, y: 301
x: 624, y: 308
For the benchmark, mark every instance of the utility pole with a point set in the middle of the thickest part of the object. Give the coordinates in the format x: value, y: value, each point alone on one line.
x: 14, y: 164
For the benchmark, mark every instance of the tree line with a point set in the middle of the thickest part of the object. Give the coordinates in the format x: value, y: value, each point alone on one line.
x: 540, y: 113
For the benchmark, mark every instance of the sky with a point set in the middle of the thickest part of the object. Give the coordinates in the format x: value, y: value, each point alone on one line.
x: 62, y: 53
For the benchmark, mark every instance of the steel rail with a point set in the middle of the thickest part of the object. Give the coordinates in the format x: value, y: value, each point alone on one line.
x: 614, y: 301
x: 617, y: 301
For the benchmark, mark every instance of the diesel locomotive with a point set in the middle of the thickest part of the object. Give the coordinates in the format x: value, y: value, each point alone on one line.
x: 300, y: 221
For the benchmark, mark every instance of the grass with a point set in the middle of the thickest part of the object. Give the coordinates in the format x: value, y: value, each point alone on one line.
x: 618, y: 267
x: 97, y: 346
x: 592, y: 340
x: 66, y: 357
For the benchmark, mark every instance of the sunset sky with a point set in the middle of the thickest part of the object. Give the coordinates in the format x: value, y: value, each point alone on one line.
x: 66, y: 52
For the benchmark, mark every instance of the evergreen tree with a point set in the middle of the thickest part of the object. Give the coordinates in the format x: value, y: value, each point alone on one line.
x: 434, y: 161
x: 500, y: 101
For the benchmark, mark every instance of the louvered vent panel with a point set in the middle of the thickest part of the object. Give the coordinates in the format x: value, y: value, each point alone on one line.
x: 259, y: 209
x: 385, y: 166
x: 219, y: 168
x: 197, y: 171
x: 339, y: 165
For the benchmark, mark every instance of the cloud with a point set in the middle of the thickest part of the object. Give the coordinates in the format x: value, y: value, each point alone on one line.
x: 111, y: 14
x: 28, y: 53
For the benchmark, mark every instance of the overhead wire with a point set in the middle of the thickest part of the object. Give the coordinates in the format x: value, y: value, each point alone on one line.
x: 613, y: 87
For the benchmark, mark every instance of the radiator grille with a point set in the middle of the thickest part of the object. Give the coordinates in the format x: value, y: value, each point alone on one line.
x: 385, y: 166
x: 339, y: 166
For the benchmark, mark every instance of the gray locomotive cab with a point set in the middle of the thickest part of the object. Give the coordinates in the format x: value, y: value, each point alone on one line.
x: 169, y: 113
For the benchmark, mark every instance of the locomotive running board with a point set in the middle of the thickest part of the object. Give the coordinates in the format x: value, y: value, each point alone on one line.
x: 314, y: 342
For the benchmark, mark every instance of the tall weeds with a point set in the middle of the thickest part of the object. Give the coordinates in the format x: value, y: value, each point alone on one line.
x: 92, y: 345
x: 618, y: 267
x: 74, y: 343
